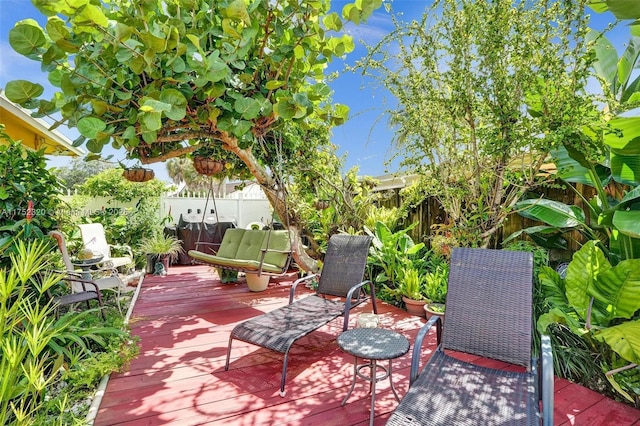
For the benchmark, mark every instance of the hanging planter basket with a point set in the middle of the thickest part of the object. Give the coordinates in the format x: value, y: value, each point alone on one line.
x: 207, y: 166
x: 138, y: 174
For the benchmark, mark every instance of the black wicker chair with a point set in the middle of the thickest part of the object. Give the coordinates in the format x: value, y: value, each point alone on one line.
x: 341, y: 277
x: 488, y: 313
x: 90, y: 291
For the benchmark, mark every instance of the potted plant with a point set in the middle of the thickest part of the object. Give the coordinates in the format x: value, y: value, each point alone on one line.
x: 211, y: 159
x: 160, y: 248
x: 411, y: 289
x: 435, y: 286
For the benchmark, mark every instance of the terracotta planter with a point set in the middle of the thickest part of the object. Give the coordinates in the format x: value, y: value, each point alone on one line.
x: 414, y: 307
x: 138, y: 174
x: 257, y: 283
x: 429, y: 310
x: 207, y: 166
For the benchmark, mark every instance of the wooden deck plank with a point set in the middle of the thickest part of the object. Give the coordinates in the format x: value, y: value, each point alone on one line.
x: 183, y: 321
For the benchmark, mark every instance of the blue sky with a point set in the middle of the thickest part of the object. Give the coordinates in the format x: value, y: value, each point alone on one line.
x: 365, y: 139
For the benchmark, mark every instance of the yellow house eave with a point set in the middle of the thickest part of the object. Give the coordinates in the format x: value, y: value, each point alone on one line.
x: 33, y: 132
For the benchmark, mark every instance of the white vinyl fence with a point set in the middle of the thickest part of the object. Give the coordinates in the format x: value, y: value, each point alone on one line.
x: 240, y: 207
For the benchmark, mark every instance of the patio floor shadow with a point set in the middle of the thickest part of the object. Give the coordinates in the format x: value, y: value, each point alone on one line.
x: 184, y: 320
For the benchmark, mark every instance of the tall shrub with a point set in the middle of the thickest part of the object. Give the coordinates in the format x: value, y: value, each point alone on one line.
x: 29, y: 195
x: 484, y: 90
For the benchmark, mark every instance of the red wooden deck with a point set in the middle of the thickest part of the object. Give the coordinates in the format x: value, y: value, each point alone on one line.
x: 184, y: 320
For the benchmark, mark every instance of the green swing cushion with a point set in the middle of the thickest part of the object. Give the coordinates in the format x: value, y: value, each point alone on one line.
x: 241, y: 249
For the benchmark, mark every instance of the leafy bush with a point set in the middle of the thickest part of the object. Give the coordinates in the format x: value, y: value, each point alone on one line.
x: 37, y: 349
x: 600, y: 304
x: 29, y: 202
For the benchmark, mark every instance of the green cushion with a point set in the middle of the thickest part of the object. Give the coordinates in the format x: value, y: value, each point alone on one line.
x: 280, y: 241
x: 245, y: 265
x: 242, y: 249
x: 230, y: 243
x: 250, y: 245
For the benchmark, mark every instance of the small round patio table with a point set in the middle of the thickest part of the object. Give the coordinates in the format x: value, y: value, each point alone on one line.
x: 372, y: 344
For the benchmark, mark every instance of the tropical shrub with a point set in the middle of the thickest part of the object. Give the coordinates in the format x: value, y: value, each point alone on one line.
x: 600, y: 303
x: 391, y: 254
x: 41, y: 353
x: 29, y: 202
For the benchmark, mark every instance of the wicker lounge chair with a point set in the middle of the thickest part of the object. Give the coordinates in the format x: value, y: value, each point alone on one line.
x: 488, y: 313
x: 339, y: 289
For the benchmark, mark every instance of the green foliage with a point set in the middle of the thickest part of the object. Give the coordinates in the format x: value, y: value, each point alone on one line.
x: 314, y: 171
x: 485, y: 90
x: 161, y: 245
x: 410, y: 283
x: 165, y: 73
x: 35, y: 346
x: 391, y: 254
x: 436, y: 278
x: 600, y: 159
x: 110, y: 183
x: 154, y: 78
x: 78, y: 171
x: 600, y: 303
x: 29, y: 202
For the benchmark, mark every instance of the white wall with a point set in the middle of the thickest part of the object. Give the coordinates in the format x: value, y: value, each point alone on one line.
x: 239, y: 209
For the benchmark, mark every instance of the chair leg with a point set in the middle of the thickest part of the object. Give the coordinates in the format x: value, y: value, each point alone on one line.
x: 226, y: 365
x: 284, y: 372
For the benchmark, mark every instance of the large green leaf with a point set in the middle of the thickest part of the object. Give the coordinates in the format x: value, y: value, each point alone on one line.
x: 587, y: 265
x: 551, y: 212
x: 627, y: 222
x: 624, y: 339
x: 26, y: 37
x: 625, y: 168
x: 20, y: 91
x: 622, y: 9
x: 628, y: 61
x: 558, y: 316
x: 619, y: 288
x: 626, y: 139
x: 572, y: 171
x: 89, y: 127
x: 607, y: 58
x: 177, y: 102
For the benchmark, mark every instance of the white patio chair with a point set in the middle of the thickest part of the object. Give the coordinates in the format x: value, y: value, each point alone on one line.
x: 93, y: 238
x: 106, y: 278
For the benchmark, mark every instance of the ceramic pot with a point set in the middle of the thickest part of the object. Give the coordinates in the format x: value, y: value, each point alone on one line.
x: 257, y: 283
x: 439, y: 311
x: 414, y: 307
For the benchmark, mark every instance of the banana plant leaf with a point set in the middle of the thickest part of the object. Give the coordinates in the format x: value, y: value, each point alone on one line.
x: 553, y: 213
x: 585, y: 268
x: 627, y: 222
x: 624, y: 339
x: 572, y: 171
x: 619, y: 288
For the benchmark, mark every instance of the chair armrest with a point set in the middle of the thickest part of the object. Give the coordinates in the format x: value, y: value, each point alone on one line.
x: 265, y: 250
x: 204, y: 243
x: 83, y: 282
x: 417, y: 347
x: 347, y: 304
x: 546, y: 380
x: 295, y: 285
